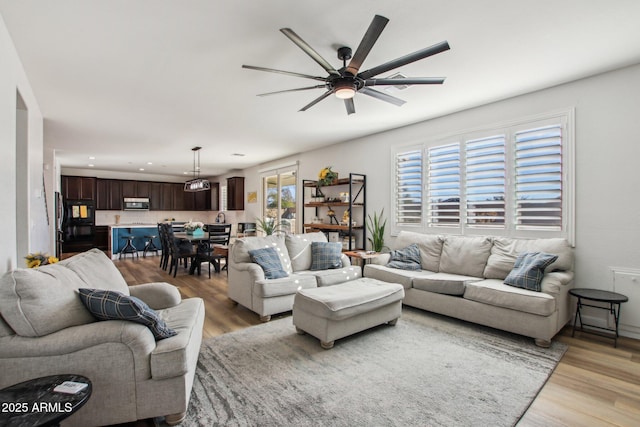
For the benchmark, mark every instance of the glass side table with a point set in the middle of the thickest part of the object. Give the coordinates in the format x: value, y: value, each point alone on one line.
x: 612, y: 298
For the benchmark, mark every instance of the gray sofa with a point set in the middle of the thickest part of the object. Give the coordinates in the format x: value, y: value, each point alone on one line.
x: 463, y: 277
x: 46, y: 330
x: 249, y: 287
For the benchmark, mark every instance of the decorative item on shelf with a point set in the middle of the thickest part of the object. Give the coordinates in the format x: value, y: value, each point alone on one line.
x: 376, y: 227
x: 344, y: 197
x: 325, y: 177
x: 345, y: 217
x: 332, y: 217
x: 38, y: 259
x: 194, y: 227
x: 348, y: 242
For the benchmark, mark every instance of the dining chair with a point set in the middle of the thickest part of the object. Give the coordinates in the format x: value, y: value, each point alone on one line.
x: 179, y: 250
x: 219, y: 236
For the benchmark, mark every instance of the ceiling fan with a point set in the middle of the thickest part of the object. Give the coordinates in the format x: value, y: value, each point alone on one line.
x: 348, y: 80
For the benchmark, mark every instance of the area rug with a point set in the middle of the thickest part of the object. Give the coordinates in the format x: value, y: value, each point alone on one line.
x: 428, y: 370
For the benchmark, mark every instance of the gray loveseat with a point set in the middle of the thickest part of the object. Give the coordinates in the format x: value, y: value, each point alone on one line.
x: 46, y: 330
x: 249, y: 287
x: 463, y: 277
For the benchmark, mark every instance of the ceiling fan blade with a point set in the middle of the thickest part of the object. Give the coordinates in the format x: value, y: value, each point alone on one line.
x: 309, y: 50
x: 351, y: 108
x: 288, y: 73
x: 405, y: 81
x: 367, y: 42
x: 315, y: 101
x: 382, y: 96
x: 407, y: 59
x: 293, y: 90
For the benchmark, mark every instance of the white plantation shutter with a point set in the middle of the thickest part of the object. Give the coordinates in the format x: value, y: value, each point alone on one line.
x: 538, y: 170
x: 443, y: 185
x: 409, y: 187
x: 485, y: 181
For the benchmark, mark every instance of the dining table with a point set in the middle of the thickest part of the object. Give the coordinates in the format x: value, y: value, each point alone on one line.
x: 197, y: 240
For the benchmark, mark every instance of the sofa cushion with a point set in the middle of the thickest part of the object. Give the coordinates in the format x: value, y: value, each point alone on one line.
x: 241, y: 247
x: 113, y: 305
x: 334, y: 276
x: 299, y: 248
x: 269, y: 260
x: 406, y: 258
x: 444, y: 283
x: 97, y: 271
x: 39, y: 301
x: 528, y: 270
x: 430, y: 247
x: 326, y: 255
x: 496, y: 293
x: 393, y: 275
x: 505, y: 251
x: 269, y: 288
x: 465, y: 255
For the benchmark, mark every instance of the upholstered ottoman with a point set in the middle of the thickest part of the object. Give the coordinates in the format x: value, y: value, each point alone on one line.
x: 333, y: 312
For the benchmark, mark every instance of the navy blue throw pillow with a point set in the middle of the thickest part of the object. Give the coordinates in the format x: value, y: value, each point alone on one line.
x: 528, y: 270
x: 326, y: 255
x: 406, y: 259
x: 268, y: 259
x: 112, y: 305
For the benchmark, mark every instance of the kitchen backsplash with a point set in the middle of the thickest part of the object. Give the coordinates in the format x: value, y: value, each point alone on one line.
x: 154, y: 217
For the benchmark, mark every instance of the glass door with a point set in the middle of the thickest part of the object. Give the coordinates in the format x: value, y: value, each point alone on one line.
x: 280, y: 199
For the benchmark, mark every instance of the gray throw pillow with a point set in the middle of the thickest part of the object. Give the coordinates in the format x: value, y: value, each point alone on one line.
x: 268, y: 259
x: 326, y: 255
x: 528, y: 270
x: 405, y: 259
x: 113, y: 305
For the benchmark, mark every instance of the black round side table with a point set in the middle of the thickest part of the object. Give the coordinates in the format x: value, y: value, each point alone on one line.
x: 34, y: 403
x: 612, y: 298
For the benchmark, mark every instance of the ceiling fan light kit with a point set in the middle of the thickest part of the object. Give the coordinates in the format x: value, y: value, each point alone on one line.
x: 345, y: 82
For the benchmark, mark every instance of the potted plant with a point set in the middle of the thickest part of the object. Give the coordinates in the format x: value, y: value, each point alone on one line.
x: 268, y: 225
x: 325, y: 177
x: 376, y: 227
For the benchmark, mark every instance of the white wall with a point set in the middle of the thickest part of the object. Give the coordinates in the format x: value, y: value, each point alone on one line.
x: 35, y: 229
x: 607, y: 111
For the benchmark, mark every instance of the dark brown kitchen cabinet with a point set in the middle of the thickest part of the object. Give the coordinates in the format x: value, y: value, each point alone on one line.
x: 155, y: 196
x: 178, y: 197
x: 202, y: 200
x: 78, y: 187
x: 167, y: 196
x: 108, y: 194
x: 215, y: 196
x: 101, y: 237
x: 136, y: 188
x: 235, y: 193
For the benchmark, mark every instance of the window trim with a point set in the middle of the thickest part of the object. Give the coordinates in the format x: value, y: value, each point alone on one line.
x: 566, y: 116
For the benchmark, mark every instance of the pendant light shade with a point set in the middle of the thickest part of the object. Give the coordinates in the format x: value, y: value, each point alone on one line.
x: 197, y: 183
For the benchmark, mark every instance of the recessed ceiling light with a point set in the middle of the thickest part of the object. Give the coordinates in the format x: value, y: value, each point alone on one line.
x: 141, y: 169
x: 238, y: 154
x: 91, y: 165
x: 149, y: 163
x: 92, y: 157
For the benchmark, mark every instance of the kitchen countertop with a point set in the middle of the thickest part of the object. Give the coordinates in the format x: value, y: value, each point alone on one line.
x: 132, y: 225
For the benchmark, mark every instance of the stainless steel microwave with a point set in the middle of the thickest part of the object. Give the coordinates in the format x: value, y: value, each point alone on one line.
x: 136, y: 204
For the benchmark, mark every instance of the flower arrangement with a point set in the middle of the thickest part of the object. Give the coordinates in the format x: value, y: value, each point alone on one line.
x: 327, y: 176
x: 192, y: 225
x: 38, y: 259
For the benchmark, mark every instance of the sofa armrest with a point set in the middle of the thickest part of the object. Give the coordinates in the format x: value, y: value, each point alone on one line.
x: 158, y: 295
x: 346, y: 261
x: 77, y: 338
x: 254, y: 270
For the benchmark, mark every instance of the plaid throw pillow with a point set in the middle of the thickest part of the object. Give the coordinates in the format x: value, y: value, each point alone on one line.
x: 326, y: 255
x: 112, y: 305
x: 405, y: 259
x: 268, y: 259
x: 528, y: 270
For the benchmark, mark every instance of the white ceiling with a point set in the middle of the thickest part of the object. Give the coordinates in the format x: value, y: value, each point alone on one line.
x: 137, y: 81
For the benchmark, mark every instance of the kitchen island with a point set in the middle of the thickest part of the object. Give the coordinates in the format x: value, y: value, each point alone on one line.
x: 138, y: 231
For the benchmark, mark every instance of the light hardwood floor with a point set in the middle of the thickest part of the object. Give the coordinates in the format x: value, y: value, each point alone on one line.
x: 594, y: 384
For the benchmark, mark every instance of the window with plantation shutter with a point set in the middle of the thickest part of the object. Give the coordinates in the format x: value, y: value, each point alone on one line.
x: 514, y: 179
x: 408, y: 188
x: 485, y: 180
x: 443, y: 185
x: 538, y: 170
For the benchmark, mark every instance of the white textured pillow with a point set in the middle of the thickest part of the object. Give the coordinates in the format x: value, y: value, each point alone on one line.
x: 299, y: 247
x: 465, y: 255
x: 241, y: 247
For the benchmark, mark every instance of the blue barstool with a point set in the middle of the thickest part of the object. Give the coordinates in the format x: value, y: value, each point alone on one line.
x: 149, y: 246
x: 128, y: 247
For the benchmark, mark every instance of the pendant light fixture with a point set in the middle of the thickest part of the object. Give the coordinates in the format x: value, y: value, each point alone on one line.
x: 197, y: 183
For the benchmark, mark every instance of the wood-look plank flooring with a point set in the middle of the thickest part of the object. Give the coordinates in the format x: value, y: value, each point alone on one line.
x: 594, y: 384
